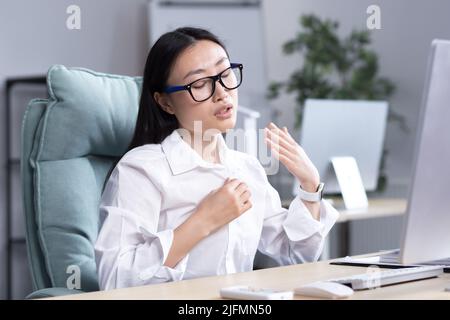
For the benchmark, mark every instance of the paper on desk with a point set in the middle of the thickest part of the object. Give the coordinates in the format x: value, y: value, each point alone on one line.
x: 375, y: 259
x: 367, y: 261
x: 388, y: 258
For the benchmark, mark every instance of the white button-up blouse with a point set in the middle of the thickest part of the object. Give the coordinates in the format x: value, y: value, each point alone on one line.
x: 155, y: 187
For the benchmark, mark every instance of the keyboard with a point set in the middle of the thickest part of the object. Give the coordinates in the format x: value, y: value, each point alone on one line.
x: 375, y: 277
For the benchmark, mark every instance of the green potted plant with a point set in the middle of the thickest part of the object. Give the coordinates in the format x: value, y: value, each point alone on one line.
x: 335, y: 68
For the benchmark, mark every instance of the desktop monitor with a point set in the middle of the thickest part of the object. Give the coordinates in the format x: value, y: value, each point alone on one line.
x: 335, y: 128
x: 426, y: 234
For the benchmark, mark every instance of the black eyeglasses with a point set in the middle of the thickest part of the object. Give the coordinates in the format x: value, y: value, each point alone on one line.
x: 203, y: 89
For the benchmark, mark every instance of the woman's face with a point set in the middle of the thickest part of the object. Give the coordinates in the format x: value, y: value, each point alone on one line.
x: 204, y: 58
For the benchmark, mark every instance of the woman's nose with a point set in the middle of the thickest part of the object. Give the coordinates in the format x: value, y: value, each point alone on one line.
x: 221, y: 92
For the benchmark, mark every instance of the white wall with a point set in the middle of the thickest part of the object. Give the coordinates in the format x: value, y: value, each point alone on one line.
x: 33, y: 36
x: 408, y: 26
x: 113, y: 38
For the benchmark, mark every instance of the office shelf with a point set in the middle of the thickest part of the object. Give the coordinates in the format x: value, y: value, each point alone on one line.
x: 13, y: 165
x: 17, y: 240
x: 13, y: 161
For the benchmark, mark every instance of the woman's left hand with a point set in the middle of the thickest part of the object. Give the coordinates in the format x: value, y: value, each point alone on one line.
x: 292, y: 156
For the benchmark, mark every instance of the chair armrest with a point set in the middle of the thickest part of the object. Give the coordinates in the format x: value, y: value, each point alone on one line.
x: 52, y: 292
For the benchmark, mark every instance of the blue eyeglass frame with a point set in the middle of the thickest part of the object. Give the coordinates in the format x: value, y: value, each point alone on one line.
x: 171, y: 89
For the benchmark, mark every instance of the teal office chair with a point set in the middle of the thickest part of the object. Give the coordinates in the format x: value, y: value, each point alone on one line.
x: 69, y: 143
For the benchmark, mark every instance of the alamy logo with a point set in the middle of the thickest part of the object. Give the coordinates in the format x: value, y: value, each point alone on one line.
x: 374, y: 18
x: 73, y: 21
x: 373, y: 275
x: 74, y: 280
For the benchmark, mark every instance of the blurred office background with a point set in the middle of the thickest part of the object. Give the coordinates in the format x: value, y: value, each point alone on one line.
x: 114, y: 39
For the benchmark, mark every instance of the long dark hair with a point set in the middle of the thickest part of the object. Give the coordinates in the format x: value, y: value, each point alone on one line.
x: 153, y: 124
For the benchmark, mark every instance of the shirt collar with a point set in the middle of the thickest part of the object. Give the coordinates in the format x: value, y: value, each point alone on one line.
x: 182, y: 157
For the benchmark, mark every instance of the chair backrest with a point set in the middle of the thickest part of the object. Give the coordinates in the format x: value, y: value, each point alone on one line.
x: 69, y: 143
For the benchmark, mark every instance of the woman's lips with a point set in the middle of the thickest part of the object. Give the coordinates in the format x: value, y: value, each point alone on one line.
x: 225, y: 112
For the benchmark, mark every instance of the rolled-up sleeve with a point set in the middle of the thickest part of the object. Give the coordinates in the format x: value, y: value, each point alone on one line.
x: 292, y: 235
x: 130, y: 250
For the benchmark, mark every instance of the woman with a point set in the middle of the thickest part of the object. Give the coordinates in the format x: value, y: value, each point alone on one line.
x: 180, y: 204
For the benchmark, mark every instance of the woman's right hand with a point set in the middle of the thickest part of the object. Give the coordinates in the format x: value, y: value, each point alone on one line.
x: 224, y: 204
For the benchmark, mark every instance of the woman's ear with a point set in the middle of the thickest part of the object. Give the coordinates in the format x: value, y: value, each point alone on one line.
x: 163, y: 101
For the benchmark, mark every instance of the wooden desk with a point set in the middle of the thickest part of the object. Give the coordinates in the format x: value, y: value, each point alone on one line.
x: 285, y: 278
x: 378, y: 208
